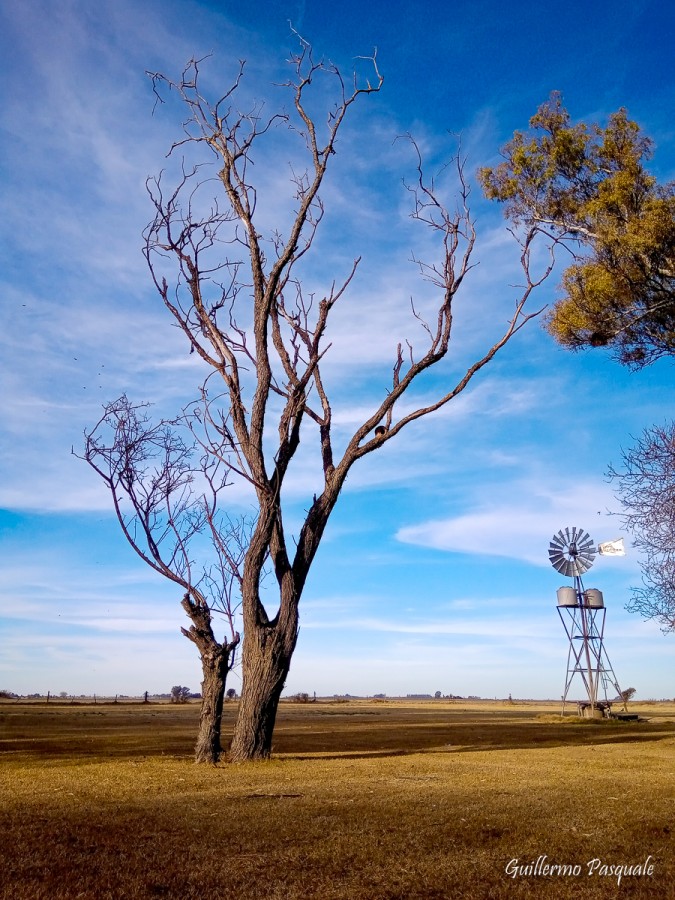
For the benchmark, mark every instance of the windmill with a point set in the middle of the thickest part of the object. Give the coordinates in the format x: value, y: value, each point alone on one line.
x: 582, y: 613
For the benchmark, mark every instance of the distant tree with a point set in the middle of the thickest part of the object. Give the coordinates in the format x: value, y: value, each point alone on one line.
x: 232, y: 283
x: 586, y: 187
x: 438, y: 695
x: 8, y: 695
x: 628, y: 694
x: 180, y: 694
x: 231, y: 694
x: 645, y: 484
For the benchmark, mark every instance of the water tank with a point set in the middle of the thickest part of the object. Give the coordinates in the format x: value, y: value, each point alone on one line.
x: 588, y: 712
x: 593, y: 598
x: 567, y: 596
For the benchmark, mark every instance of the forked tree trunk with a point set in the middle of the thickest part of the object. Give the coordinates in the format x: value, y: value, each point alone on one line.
x: 214, y: 670
x: 269, y: 645
x: 266, y: 662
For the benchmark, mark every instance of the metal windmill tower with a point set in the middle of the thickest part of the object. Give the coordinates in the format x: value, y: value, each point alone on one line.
x: 582, y: 613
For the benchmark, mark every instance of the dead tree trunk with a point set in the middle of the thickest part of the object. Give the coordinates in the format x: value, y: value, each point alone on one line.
x: 267, y: 660
x: 214, y: 669
x: 216, y: 661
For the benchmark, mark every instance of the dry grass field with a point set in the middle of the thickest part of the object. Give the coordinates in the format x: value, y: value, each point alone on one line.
x: 361, y: 800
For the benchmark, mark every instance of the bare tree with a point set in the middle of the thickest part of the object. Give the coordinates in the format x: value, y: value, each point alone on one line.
x: 234, y: 290
x: 166, y: 495
x: 646, y: 490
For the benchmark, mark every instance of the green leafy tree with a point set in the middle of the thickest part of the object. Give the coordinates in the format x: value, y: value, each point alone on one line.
x: 586, y: 188
x: 180, y: 693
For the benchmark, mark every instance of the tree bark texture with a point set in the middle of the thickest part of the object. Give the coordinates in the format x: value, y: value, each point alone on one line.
x: 214, y: 669
x: 217, y: 661
x: 265, y: 662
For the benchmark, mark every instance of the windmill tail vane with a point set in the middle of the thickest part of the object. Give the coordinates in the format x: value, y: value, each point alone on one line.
x: 612, y: 548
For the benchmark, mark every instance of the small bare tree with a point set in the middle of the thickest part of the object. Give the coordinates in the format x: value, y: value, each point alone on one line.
x: 233, y: 288
x: 166, y: 496
x: 646, y: 489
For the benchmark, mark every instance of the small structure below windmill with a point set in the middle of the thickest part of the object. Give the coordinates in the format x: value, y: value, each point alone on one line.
x: 582, y: 613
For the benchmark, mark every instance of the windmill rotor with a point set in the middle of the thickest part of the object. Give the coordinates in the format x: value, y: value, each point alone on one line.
x: 571, y: 552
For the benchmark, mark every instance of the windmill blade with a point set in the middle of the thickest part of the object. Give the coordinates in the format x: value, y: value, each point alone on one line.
x: 559, y: 541
x: 585, y: 544
x: 560, y: 565
x: 555, y: 554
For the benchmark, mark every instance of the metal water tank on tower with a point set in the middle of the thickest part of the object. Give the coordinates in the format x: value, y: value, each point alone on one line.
x: 582, y: 613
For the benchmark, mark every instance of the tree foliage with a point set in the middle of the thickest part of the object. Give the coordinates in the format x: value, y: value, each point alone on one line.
x: 646, y: 490
x: 180, y: 693
x: 586, y: 187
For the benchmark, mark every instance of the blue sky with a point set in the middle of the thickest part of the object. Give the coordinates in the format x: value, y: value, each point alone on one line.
x: 433, y: 574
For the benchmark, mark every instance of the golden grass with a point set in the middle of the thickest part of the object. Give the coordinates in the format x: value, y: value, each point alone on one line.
x: 361, y: 801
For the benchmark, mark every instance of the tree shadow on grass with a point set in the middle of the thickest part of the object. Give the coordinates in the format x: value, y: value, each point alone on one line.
x: 133, y: 735
x: 458, y: 739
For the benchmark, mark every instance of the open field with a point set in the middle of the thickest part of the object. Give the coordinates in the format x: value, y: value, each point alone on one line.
x: 362, y: 800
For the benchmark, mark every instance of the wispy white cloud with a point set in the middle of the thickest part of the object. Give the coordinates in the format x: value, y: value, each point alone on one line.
x: 503, y: 627
x: 514, y: 528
